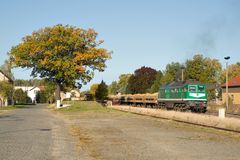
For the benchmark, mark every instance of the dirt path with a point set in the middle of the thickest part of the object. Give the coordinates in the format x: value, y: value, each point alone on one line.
x: 120, y: 135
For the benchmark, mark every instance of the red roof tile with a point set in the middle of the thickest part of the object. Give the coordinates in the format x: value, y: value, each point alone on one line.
x: 42, y: 88
x: 233, y: 82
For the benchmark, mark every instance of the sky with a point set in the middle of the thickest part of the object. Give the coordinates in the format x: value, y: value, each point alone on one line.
x: 149, y: 33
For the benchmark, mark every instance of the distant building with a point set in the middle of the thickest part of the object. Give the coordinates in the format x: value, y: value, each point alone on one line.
x: 31, y: 91
x: 4, y: 77
x: 88, y: 97
x: 233, y: 90
x: 73, y: 95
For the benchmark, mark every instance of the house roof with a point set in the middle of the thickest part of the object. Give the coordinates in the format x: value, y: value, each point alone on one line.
x: 42, y: 88
x: 233, y: 82
x: 10, y: 79
x: 24, y: 88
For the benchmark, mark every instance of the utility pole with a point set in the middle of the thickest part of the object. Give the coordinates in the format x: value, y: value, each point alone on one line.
x: 227, y: 58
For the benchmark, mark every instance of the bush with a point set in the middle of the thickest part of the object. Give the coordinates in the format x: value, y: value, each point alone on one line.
x: 41, y: 97
x: 21, y: 97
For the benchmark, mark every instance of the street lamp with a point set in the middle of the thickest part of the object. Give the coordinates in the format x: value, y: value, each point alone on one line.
x: 227, y: 58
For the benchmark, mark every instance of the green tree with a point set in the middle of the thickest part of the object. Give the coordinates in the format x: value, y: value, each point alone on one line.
x: 41, y: 97
x: 93, y: 89
x: 21, y: 82
x: 157, y: 83
x: 233, y: 71
x: 113, y: 88
x: 21, y: 97
x: 6, y: 90
x: 101, y: 92
x: 203, y: 69
x: 119, y: 86
x: 49, y: 91
x: 142, y: 80
x: 65, y: 55
x: 172, y: 72
x: 30, y: 82
x: 123, y: 82
x: 195, y: 67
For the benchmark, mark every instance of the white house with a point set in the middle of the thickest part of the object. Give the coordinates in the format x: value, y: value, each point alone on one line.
x: 31, y: 91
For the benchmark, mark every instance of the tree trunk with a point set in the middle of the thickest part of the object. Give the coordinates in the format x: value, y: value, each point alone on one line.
x: 57, y: 94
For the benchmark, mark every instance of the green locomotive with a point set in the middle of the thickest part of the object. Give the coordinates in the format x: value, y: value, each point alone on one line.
x: 183, y: 95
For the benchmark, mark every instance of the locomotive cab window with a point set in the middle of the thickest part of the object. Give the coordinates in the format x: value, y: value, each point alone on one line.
x: 201, y: 88
x: 192, y: 88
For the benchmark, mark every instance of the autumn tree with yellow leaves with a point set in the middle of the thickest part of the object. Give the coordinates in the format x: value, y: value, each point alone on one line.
x: 65, y: 55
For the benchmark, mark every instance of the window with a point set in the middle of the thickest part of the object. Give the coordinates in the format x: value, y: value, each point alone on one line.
x: 201, y: 88
x: 192, y: 89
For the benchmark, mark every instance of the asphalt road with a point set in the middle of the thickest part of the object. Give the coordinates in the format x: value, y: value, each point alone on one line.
x: 33, y: 133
